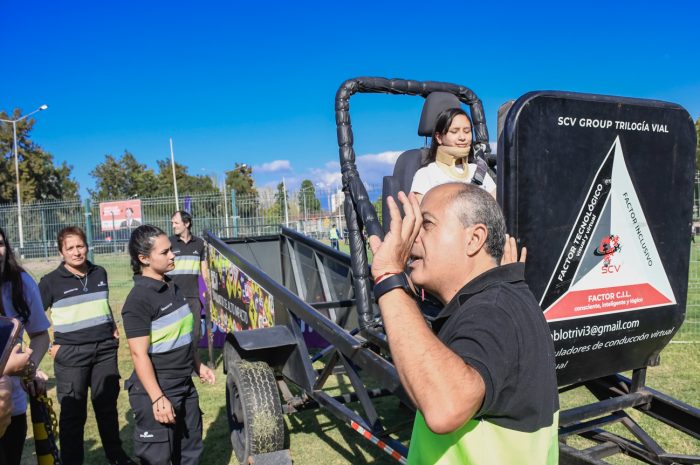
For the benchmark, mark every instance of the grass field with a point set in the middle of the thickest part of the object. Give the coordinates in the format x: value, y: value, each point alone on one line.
x: 317, y: 438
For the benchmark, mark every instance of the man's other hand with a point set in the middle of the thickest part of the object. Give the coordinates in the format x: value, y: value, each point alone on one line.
x: 510, y: 252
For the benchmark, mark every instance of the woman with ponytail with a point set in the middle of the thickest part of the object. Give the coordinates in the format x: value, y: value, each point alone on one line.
x: 159, y: 327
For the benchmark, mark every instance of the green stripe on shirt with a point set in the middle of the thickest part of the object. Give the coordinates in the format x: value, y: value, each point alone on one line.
x: 480, y: 442
x: 64, y: 315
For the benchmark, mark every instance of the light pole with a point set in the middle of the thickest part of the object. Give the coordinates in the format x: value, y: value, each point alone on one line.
x: 242, y: 166
x: 304, y: 194
x: 19, y: 197
x: 284, y: 199
x: 172, y: 163
x: 223, y: 188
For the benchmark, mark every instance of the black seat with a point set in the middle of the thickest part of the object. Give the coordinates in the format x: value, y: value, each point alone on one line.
x: 410, y: 161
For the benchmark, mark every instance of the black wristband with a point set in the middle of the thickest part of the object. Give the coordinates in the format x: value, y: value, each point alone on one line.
x: 392, y: 282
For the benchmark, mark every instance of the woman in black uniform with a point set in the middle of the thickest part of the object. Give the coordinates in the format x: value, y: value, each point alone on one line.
x: 159, y: 325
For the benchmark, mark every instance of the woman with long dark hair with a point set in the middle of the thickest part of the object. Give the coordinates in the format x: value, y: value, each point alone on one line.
x: 450, y: 160
x: 159, y: 328
x: 450, y: 155
x: 21, y: 300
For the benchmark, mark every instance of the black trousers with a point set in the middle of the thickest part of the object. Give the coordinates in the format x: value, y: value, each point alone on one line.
x: 77, y: 368
x: 159, y: 444
x: 12, y: 442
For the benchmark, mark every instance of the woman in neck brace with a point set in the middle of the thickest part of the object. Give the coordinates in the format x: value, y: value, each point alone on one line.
x: 448, y: 159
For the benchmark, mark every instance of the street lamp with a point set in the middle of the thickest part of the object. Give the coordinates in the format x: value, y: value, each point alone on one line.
x: 223, y: 187
x: 19, y: 197
x: 304, y: 194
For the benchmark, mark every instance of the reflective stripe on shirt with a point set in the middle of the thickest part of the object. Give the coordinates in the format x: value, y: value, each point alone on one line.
x: 172, y: 331
x: 81, y: 312
x: 188, y: 265
x: 480, y: 442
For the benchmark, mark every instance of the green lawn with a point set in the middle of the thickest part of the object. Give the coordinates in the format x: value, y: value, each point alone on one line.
x: 317, y: 438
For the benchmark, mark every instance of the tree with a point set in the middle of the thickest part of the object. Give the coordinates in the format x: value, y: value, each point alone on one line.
x: 282, y: 198
x: 39, y: 178
x: 308, y: 202
x: 186, y: 183
x: 378, y: 205
x: 240, y: 180
x: 275, y: 214
x: 123, y: 178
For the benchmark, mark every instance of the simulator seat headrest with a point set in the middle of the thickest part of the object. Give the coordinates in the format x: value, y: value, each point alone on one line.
x: 435, y: 103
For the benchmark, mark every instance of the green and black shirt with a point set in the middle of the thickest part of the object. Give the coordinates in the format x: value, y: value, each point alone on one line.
x: 79, y: 306
x: 159, y: 310
x: 188, y: 260
x: 496, y: 326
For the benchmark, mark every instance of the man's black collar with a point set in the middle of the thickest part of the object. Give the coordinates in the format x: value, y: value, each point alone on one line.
x: 179, y: 239
x: 159, y: 286
x: 510, y: 273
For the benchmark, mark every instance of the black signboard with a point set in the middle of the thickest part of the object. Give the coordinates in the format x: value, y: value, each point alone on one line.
x: 600, y: 190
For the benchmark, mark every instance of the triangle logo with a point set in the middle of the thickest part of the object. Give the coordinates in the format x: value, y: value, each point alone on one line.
x: 610, y: 262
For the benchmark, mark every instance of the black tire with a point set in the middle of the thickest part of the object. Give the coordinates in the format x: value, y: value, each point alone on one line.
x: 254, y: 410
x: 230, y: 357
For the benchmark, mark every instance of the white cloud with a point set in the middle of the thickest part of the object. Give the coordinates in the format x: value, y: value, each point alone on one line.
x: 384, y: 158
x: 372, y: 168
x: 328, y: 177
x: 273, y: 166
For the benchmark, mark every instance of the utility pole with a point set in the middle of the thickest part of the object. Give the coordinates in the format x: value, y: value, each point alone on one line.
x: 284, y: 199
x: 172, y: 163
x: 19, y: 195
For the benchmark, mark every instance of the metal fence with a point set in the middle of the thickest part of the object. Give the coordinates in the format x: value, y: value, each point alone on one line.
x: 690, y: 330
x: 227, y: 216
x: 230, y: 215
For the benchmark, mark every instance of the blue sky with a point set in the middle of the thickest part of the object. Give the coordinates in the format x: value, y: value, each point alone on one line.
x: 236, y: 82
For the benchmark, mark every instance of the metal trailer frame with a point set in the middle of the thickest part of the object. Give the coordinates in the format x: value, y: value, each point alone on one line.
x: 617, y: 395
x: 364, y: 351
x: 283, y: 347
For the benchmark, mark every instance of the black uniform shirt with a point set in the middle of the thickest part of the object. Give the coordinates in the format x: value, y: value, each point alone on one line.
x: 79, y: 306
x: 495, y: 324
x: 152, y: 301
x: 188, y: 262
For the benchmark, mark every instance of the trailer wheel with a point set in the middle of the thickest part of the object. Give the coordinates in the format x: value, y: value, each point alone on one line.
x: 254, y: 409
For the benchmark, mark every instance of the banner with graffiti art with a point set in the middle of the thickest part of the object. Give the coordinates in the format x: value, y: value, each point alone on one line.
x: 237, y: 301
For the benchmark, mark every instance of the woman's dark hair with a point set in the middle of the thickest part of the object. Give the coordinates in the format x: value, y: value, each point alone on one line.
x: 442, y: 125
x: 141, y: 243
x: 11, y: 272
x: 186, y: 218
